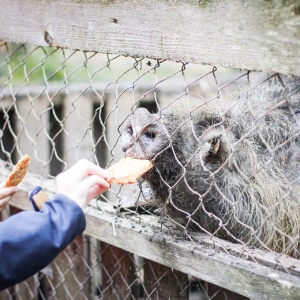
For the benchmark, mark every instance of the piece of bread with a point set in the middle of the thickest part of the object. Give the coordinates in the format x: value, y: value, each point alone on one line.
x: 38, y: 197
x: 19, y: 172
x: 128, y: 170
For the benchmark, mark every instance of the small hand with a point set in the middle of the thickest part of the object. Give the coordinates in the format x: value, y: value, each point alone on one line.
x: 82, y: 182
x: 6, y: 194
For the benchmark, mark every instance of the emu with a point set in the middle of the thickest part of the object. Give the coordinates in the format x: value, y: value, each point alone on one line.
x: 228, y: 165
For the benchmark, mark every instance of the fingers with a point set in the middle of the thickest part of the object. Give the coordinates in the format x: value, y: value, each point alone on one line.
x: 95, y: 186
x: 5, y: 195
x: 82, y: 182
x: 4, y: 192
x: 84, y: 168
x: 94, y: 192
x: 82, y: 192
x: 4, y: 202
x: 78, y: 172
x: 92, y: 180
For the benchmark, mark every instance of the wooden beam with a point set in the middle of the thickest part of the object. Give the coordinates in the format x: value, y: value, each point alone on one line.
x: 210, y: 264
x: 161, y: 282
x: 118, y: 273
x: 217, y: 293
x: 255, y: 35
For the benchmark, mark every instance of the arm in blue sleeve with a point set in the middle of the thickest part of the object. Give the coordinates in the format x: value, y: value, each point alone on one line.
x: 30, y: 240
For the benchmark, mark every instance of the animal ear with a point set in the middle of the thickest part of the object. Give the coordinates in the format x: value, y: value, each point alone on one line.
x: 215, y: 145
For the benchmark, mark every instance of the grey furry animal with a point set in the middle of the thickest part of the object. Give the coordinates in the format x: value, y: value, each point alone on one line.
x: 229, y: 165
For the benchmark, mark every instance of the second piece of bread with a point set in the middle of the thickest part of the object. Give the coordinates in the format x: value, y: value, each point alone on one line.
x: 19, y: 172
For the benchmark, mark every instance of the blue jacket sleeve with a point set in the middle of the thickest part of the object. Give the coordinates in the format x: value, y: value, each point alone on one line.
x: 30, y: 240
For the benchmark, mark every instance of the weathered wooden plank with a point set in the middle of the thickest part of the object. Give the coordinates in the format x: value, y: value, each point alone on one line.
x: 69, y: 274
x: 246, y: 278
x: 260, y: 35
x: 217, y: 293
x: 118, y: 273
x: 161, y: 282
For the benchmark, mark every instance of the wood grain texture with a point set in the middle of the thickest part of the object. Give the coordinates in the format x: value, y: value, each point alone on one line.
x: 118, y: 273
x: 210, y: 264
x: 255, y: 35
x: 162, y: 282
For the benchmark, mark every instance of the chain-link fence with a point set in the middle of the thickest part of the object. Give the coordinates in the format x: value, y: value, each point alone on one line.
x: 224, y: 144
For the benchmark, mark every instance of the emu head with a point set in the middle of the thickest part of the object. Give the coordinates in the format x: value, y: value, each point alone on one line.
x: 174, y: 141
x: 185, y: 151
x: 144, y: 135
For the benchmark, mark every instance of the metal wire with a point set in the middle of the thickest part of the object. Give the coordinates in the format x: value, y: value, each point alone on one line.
x: 226, y: 159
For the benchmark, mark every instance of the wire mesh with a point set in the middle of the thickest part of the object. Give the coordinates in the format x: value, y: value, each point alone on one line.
x: 223, y: 144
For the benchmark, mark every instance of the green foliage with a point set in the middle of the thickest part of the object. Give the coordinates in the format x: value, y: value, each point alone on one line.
x: 28, y: 64
x: 35, y: 65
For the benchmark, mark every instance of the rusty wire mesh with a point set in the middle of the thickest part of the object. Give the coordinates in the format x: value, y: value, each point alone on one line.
x: 223, y: 143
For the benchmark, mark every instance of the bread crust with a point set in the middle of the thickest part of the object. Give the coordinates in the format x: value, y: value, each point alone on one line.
x: 19, y: 172
x: 128, y: 170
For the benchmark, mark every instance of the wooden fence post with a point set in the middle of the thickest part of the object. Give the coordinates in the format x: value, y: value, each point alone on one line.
x: 119, y: 280
x: 162, y: 282
x: 70, y: 263
x: 68, y: 278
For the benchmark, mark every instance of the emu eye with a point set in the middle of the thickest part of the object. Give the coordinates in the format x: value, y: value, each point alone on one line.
x: 215, y: 146
x: 150, y: 134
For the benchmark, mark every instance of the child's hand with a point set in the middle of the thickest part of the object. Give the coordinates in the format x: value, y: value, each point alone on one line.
x: 5, y: 195
x: 82, y: 182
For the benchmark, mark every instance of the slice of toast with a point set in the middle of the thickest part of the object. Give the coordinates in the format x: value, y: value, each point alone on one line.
x: 128, y: 170
x: 19, y: 172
